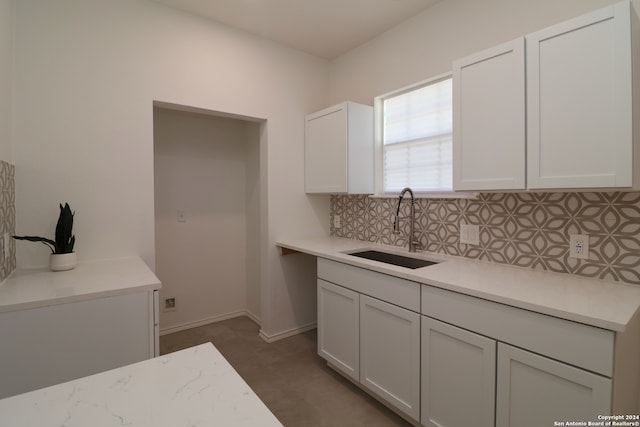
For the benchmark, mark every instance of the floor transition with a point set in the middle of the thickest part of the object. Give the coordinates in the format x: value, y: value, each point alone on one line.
x: 288, y: 375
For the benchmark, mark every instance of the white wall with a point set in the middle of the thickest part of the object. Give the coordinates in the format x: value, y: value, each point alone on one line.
x: 86, y: 74
x: 252, y: 236
x: 202, y: 167
x: 425, y: 45
x: 6, y: 65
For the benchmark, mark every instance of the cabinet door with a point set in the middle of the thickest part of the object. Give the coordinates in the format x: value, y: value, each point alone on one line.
x: 390, y: 354
x: 338, y: 327
x: 458, y: 376
x: 489, y: 119
x: 534, y: 391
x: 326, y: 151
x: 579, y: 95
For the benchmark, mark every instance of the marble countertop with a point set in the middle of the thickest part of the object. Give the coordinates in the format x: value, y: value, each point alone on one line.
x: 33, y: 288
x: 192, y: 387
x: 607, y: 305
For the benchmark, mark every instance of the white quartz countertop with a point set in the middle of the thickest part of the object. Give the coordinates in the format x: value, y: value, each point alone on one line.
x: 608, y: 305
x: 26, y: 289
x: 193, y: 387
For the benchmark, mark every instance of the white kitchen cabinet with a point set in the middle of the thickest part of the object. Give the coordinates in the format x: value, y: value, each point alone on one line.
x: 458, y: 376
x: 579, y: 102
x: 339, y: 328
x: 534, y: 391
x: 548, y: 368
x: 57, y: 327
x: 379, y: 314
x: 390, y: 354
x: 339, y: 150
x: 489, y: 119
x: 580, y: 99
x: 49, y: 345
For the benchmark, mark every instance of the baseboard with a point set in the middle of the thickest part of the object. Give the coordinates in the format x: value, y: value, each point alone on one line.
x: 268, y: 338
x: 253, y: 317
x: 286, y: 334
x: 208, y: 320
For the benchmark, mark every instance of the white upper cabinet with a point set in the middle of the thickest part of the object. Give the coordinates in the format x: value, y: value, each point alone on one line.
x: 489, y: 119
x: 339, y: 150
x: 557, y: 109
x: 579, y: 102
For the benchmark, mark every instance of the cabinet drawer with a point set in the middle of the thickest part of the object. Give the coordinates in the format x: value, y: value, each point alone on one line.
x: 403, y: 293
x: 574, y: 343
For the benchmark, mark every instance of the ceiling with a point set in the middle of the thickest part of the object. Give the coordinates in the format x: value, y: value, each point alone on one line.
x: 324, y: 28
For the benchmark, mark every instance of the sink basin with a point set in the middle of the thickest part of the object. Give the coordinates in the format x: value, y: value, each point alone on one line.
x: 388, y: 258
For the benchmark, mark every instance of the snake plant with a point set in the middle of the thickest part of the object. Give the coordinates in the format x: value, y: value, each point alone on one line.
x: 64, y: 239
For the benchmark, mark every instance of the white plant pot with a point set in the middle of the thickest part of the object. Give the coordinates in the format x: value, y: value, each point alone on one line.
x: 63, y: 262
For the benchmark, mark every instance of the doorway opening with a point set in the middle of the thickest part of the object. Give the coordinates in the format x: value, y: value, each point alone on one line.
x: 208, y: 203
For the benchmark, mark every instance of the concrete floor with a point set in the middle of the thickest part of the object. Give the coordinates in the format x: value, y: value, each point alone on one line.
x: 288, y: 375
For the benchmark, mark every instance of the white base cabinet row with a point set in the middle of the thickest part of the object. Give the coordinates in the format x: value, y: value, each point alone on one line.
x: 466, y: 375
x: 470, y: 361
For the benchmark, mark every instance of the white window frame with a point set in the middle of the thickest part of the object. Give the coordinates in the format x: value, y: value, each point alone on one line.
x: 378, y: 134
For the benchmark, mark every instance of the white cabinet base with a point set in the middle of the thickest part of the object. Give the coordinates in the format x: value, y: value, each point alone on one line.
x: 534, y: 391
x: 338, y: 328
x: 458, y: 376
x: 49, y: 345
x: 390, y: 354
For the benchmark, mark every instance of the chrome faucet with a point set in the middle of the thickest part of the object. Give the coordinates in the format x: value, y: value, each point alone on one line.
x: 413, y: 244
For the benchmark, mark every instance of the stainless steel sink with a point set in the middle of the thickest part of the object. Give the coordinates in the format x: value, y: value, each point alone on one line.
x: 389, y: 258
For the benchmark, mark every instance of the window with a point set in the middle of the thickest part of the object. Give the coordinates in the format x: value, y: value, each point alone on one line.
x: 415, y: 138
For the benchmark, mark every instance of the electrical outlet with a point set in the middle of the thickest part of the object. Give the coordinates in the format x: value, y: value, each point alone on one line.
x: 469, y: 234
x: 579, y: 246
x: 170, y: 304
x: 337, y: 221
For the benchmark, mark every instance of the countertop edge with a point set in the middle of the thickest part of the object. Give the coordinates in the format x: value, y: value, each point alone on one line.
x: 42, y: 284
x: 340, y: 245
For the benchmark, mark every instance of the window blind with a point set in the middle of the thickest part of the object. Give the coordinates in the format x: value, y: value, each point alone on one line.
x: 417, y: 139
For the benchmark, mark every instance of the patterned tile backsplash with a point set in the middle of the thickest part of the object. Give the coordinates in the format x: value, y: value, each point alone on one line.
x: 7, y: 216
x: 522, y: 229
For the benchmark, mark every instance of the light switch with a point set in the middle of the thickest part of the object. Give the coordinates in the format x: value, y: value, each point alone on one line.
x: 182, y: 216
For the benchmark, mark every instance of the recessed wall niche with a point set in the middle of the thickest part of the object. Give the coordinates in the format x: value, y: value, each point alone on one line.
x: 207, y: 205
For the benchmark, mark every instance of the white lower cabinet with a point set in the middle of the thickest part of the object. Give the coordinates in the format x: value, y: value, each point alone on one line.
x: 535, y: 391
x: 48, y: 345
x: 373, y: 342
x: 458, y: 376
x: 390, y: 354
x: 338, y: 328
x: 446, y: 359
